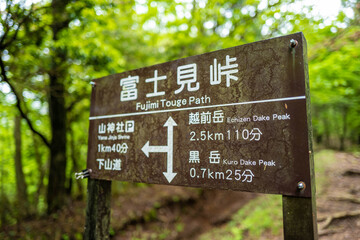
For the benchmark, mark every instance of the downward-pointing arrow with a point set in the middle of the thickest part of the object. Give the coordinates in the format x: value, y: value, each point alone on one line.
x: 169, y: 174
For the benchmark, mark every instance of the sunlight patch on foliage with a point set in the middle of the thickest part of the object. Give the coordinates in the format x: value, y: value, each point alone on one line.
x: 258, y: 216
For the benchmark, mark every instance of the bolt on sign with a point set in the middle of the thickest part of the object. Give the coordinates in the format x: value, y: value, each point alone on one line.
x: 230, y: 119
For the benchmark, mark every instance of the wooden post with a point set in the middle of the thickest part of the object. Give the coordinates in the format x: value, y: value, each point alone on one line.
x: 98, y: 209
x: 299, y: 214
x: 299, y: 218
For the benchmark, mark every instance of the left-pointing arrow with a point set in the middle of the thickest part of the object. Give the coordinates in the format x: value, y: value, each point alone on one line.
x: 148, y: 149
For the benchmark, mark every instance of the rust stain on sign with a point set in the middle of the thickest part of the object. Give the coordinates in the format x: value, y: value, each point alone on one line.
x: 215, y: 120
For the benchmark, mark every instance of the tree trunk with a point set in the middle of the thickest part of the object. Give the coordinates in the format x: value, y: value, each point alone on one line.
x: 41, y: 169
x: 74, y: 158
x: 21, y: 188
x: 326, y: 132
x: 56, y: 191
x: 57, y: 174
x: 344, y: 129
x: 4, y: 202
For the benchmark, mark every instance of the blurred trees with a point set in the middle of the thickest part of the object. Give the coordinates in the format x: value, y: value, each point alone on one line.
x: 335, y: 82
x: 336, y: 87
x: 50, y: 51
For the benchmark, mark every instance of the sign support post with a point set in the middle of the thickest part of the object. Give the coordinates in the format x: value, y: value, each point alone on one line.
x: 299, y: 218
x: 98, y: 209
x: 299, y: 214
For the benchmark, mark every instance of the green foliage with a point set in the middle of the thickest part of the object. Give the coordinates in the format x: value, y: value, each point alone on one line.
x: 251, y: 221
x: 334, y: 71
x: 323, y: 159
x: 259, y: 216
x: 179, y: 227
x: 104, y: 37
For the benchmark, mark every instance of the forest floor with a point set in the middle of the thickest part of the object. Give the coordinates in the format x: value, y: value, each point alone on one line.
x: 338, y: 202
x: 166, y: 212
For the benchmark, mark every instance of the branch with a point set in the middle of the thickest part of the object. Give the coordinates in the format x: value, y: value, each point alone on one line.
x: 18, y: 105
x: 351, y: 172
x: 338, y: 215
x: 323, y: 232
x: 72, y: 105
x: 7, y: 10
x: 329, y: 43
x: 347, y: 198
x: 77, y: 100
x: 5, y: 45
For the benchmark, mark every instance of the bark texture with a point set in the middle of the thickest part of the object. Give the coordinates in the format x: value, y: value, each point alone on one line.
x: 56, y: 191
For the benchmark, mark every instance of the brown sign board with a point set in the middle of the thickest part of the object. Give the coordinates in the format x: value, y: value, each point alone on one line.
x: 230, y: 119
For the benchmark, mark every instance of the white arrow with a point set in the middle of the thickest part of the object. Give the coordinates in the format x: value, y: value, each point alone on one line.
x: 148, y: 149
x: 169, y: 174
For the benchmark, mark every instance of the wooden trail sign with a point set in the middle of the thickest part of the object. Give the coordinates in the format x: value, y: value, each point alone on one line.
x: 236, y: 118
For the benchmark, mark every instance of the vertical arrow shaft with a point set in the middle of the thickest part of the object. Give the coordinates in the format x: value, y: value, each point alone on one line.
x: 170, y: 148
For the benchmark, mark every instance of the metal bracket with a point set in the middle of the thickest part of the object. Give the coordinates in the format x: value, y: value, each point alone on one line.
x: 83, y: 174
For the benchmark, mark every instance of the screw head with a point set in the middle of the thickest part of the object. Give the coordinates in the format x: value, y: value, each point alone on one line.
x: 301, y: 185
x: 293, y: 43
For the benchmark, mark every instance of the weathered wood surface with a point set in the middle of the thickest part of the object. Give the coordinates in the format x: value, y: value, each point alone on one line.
x: 299, y: 214
x: 270, y: 84
x: 299, y: 217
x: 98, y: 210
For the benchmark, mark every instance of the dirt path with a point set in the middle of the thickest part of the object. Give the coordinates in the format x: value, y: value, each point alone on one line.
x: 167, y: 212
x: 339, y: 203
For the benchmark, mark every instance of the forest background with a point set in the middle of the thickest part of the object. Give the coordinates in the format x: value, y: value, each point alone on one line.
x: 51, y: 50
